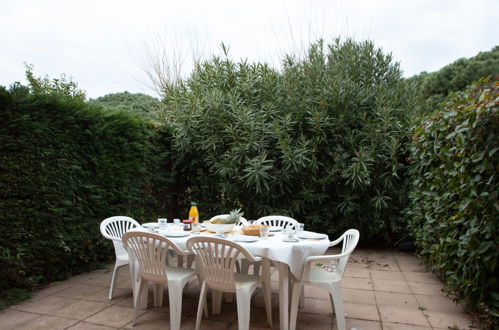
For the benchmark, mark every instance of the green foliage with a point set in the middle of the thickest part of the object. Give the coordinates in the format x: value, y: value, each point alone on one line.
x: 323, y: 140
x: 139, y: 104
x: 63, y: 86
x: 454, y: 198
x: 64, y: 167
x: 436, y: 86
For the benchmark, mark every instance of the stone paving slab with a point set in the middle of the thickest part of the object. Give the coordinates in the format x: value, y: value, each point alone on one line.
x: 382, y: 290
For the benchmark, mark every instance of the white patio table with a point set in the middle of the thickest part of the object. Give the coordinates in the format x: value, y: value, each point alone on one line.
x: 286, y: 256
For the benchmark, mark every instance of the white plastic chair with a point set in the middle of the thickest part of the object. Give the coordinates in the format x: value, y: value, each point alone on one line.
x: 241, y: 223
x: 218, y: 262
x: 151, y: 252
x: 329, y: 280
x: 277, y: 221
x: 113, y: 228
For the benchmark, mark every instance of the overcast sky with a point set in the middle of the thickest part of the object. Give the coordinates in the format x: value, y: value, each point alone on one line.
x: 101, y: 43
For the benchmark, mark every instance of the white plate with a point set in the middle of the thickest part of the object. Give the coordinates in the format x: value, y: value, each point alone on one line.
x: 174, y: 233
x: 310, y: 234
x: 245, y: 239
x: 275, y: 228
x: 290, y: 240
x: 150, y: 225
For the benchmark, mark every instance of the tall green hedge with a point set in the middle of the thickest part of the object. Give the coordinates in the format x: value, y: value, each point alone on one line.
x: 454, y: 209
x: 323, y: 140
x: 64, y: 167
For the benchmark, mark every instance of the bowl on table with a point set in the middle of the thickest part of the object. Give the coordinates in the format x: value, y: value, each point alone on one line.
x: 218, y: 227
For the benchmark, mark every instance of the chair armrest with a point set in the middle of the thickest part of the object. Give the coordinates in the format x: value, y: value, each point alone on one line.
x: 333, y: 243
x: 323, y: 258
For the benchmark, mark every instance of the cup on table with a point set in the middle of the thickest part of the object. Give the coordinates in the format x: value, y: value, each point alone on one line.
x: 301, y: 227
x: 176, y: 221
x: 196, y: 228
x: 162, y: 223
x: 264, y: 232
x: 290, y: 232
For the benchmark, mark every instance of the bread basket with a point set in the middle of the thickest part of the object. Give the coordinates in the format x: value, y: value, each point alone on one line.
x: 252, y: 230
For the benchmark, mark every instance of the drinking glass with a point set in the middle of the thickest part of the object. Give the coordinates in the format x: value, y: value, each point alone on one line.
x: 176, y: 221
x: 264, y: 232
x: 196, y: 228
x: 301, y: 227
x: 162, y: 224
x: 290, y: 231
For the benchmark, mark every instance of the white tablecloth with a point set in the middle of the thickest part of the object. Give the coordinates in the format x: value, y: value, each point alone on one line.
x: 274, y: 248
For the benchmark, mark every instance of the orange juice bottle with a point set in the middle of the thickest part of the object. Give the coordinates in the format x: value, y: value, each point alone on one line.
x: 194, y: 213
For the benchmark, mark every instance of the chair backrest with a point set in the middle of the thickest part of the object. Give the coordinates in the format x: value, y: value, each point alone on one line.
x: 277, y: 221
x: 242, y: 221
x: 113, y: 228
x: 218, y: 259
x: 350, y: 239
x: 151, y: 252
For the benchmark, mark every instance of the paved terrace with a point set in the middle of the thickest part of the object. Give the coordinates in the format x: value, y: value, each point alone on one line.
x: 382, y: 290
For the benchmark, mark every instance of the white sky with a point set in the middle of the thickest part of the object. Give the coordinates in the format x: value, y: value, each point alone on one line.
x: 100, y: 43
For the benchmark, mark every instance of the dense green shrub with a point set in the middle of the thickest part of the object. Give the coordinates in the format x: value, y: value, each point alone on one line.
x: 434, y: 87
x: 454, y: 199
x: 138, y: 104
x: 323, y: 140
x: 64, y: 167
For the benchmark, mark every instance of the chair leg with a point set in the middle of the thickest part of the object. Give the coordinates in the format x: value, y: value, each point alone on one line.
x: 113, y: 281
x: 201, y: 305
x: 158, y: 295
x: 301, y: 304
x: 175, y: 297
x: 267, y: 290
x: 216, y: 301
x: 256, y: 268
x: 190, y: 260
x: 332, y: 302
x: 268, y: 302
x: 338, y: 305
x: 243, y: 298
x: 138, y: 297
x: 295, y: 298
x: 244, y: 266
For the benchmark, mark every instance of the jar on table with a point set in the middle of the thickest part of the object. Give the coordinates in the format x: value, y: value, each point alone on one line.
x: 187, y: 225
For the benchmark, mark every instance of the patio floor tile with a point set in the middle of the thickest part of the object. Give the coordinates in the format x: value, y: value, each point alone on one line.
x: 12, y: 318
x: 357, y: 272
x: 359, y: 296
x: 391, y: 286
x: 361, y: 311
x: 418, y: 277
x: 306, y: 321
x: 403, y: 315
x: 448, y: 320
x: 78, y: 291
x: 359, y: 324
x: 89, y: 326
x: 356, y: 283
x: 393, y: 299
x: 152, y: 320
x: 412, y: 267
x: 438, y: 303
x: 399, y: 326
x: 80, y: 310
x: 45, y: 305
x: 114, y: 316
x: 426, y: 289
x: 46, y: 322
x: 386, y: 275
